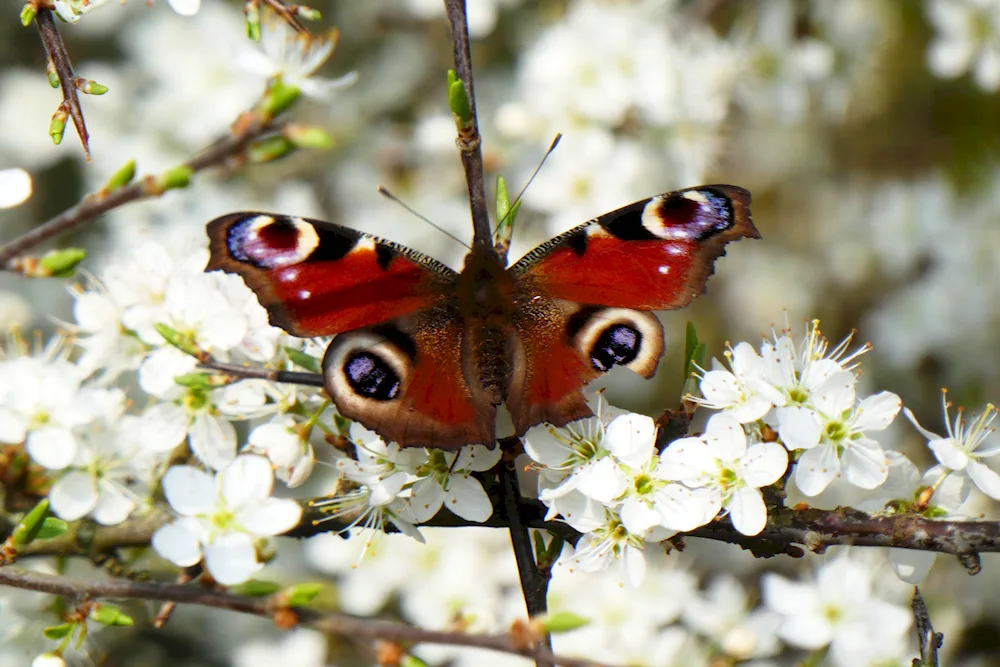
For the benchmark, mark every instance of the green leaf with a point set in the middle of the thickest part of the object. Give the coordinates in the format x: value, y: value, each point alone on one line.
x: 107, y: 614
x: 256, y: 588
x: 173, y: 178
x: 122, y: 177
x: 411, y: 661
x: 29, y: 527
x: 93, y: 88
x: 177, y: 339
x: 279, y: 97
x: 690, y: 345
x: 51, y: 527
x: 539, y: 542
x: 196, y: 380
x: 57, y: 127
x: 562, y: 621
x: 62, y: 263
x: 252, y: 13
x: 306, y: 361
x: 58, y: 631
x: 270, y: 149
x: 458, y: 100
x: 28, y: 13
x: 308, y: 136
x: 300, y: 595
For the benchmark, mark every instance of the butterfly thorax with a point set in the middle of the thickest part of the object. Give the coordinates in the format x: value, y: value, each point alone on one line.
x: 486, y: 302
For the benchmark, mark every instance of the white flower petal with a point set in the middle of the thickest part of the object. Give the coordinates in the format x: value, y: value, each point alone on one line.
x: 231, y: 559
x: 816, y: 468
x: 189, y: 491
x: 836, y: 394
x: 985, y: 478
x: 687, y: 460
x: 630, y: 438
x: 875, y: 413
x: 73, y: 495
x: 15, y: 187
x: 113, y: 506
x: 725, y: 437
x: 271, y: 516
x: 911, y: 565
x: 248, y: 479
x: 601, y: 480
x: 477, y: 458
x: 177, y: 544
x: 466, y: 498
x: 52, y: 447
x: 798, y: 428
x: 764, y: 463
x: 747, y: 511
x: 213, y: 440
x: 13, y: 426
x: 638, y: 517
x: 635, y: 565
x: 544, y: 446
x: 426, y: 501
x: 949, y: 452
x: 163, y: 427
x: 865, y: 464
x: 185, y: 7
x: 913, y: 420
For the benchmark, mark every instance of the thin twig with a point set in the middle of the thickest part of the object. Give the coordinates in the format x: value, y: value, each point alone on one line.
x: 928, y: 640
x: 469, y: 141
x: 101, y: 202
x: 260, y: 373
x: 342, y: 625
x: 59, y: 58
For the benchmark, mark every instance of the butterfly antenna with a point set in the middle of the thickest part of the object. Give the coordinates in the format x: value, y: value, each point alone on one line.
x: 391, y: 197
x: 513, y: 205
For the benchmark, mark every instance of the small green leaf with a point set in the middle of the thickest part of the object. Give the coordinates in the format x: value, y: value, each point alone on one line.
x: 458, y: 100
x: 539, y: 542
x: 279, y: 97
x: 562, y: 621
x: 29, y: 527
x: 51, y: 527
x: 53, y: 76
x: 503, y: 200
x: 107, y: 614
x: 270, y: 149
x: 62, y: 263
x: 300, y: 595
x: 89, y: 87
x: 308, y: 136
x: 175, y: 177
x: 256, y: 588
x: 252, y: 13
x: 196, y: 380
x: 122, y: 177
x: 553, y: 551
x: 177, y: 339
x: 306, y: 361
x: 28, y: 13
x: 411, y: 661
x: 308, y: 13
x: 690, y: 344
x: 58, y: 631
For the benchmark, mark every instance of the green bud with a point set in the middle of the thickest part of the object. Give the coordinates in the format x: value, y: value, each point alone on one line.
x: 89, y: 87
x: 107, y: 614
x: 50, y: 72
x: 458, y: 100
x: 256, y: 588
x: 269, y: 149
x: 177, y: 339
x: 122, y: 177
x: 308, y: 136
x: 562, y: 621
x: 300, y: 595
x: 300, y: 358
x: 28, y: 13
x: 252, y: 13
x: 176, y: 177
x: 539, y: 543
x: 51, y: 527
x: 62, y: 263
x: 279, y: 97
x: 58, y: 631
x: 197, y: 380
x: 57, y: 126
x: 308, y: 13
x: 411, y: 661
x: 29, y: 527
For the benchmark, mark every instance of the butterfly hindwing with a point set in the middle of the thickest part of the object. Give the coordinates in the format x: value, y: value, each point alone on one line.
x: 316, y: 278
x: 655, y: 254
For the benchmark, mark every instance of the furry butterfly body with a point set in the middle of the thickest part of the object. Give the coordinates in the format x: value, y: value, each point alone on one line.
x: 424, y: 355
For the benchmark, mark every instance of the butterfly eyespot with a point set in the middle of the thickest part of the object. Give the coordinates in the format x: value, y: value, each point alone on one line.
x: 617, y: 345
x: 371, y: 377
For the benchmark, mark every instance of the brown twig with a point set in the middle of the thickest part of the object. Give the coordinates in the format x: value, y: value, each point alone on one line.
x: 59, y: 61
x: 469, y: 140
x: 928, y: 640
x: 342, y: 625
x: 259, y: 373
x: 245, y: 131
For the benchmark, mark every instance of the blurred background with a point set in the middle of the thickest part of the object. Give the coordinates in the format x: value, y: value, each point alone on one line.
x: 868, y: 132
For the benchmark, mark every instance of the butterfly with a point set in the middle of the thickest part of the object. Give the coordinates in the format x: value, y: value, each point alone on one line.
x: 424, y: 355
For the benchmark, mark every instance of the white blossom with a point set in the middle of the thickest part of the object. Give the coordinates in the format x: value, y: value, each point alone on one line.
x: 15, y: 187
x: 964, y: 448
x: 967, y: 38
x: 286, y: 444
x: 444, y: 478
x: 222, y: 516
x: 729, y: 470
x: 744, y: 391
x: 611, y: 542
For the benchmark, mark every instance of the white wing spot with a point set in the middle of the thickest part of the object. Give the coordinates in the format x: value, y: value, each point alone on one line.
x: 663, y: 269
x: 305, y: 294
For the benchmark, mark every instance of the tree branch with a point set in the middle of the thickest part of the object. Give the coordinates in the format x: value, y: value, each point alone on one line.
x: 260, y: 373
x: 248, y: 127
x: 469, y: 141
x: 343, y: 625
x: 60, y: 63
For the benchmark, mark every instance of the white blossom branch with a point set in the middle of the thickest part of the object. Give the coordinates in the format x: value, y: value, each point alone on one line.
x: 275, y: 607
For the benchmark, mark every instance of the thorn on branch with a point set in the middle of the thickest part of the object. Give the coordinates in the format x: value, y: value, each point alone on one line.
x: 60, y: 66
x: 929, y: 641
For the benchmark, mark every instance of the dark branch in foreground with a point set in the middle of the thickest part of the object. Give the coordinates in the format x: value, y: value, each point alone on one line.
x: 258, y: 373
x: 59, y: 60
x: 343, y: 625
x: 469, y: 141
x: 928, y: 640
x: 250, y: 126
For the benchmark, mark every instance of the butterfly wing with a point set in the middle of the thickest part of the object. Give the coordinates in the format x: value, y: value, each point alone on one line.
x: 396, y: 365
x: 584, y: 296
x: 316, y: 278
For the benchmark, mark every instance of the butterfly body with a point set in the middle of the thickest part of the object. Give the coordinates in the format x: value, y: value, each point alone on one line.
x: 425, y: 355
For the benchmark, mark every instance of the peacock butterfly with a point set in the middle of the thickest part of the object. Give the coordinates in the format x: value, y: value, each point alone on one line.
x: 424, y: 355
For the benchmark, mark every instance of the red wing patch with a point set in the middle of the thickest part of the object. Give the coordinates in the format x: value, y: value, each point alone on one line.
x: 316, y: 278
x: 656, y: 254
